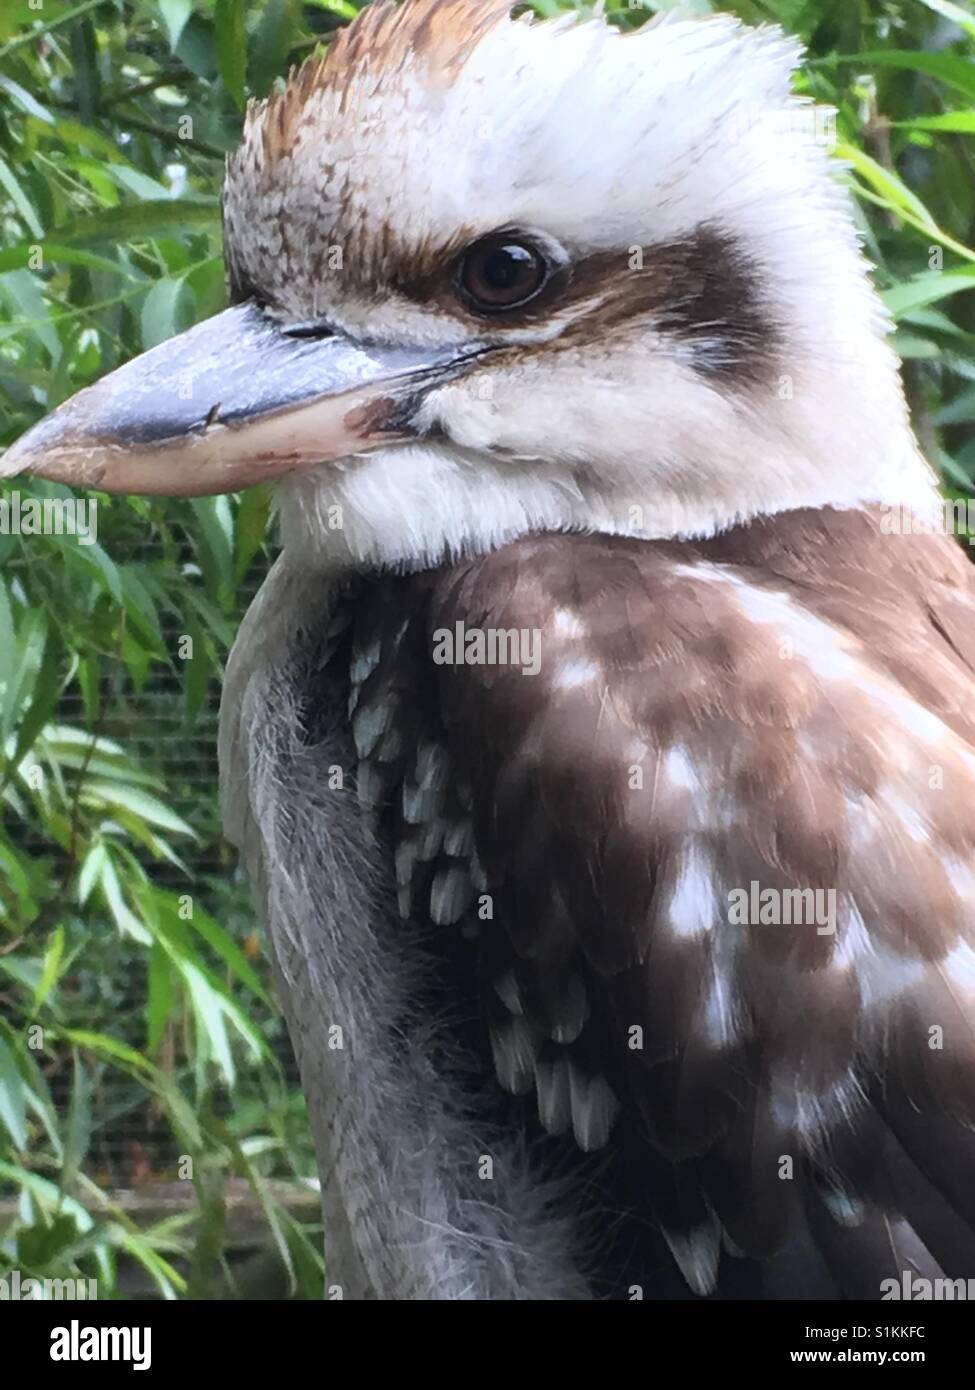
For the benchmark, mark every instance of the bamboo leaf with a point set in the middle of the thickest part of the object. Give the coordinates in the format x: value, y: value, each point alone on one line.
x: 20, y: 200
x: 231, y: 47
x: 13, y: 1104
x: 928, y: 289
x: 108, y: 794
x: 161, y: 318
x: 960, y: 122
x: 174, y: 14
x: 139, y: 221
x: 104, y: 1046
x: 51, y: 967
x: 954, y: 72
x: 159, y: 998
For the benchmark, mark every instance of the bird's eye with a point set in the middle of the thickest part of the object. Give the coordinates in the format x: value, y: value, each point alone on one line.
x: 499, y: 273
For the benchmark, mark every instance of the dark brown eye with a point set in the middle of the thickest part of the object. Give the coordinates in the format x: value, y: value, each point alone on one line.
x: 500, y: 273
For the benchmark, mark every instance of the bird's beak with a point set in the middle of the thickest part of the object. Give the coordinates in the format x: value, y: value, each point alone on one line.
x: 234, y: 401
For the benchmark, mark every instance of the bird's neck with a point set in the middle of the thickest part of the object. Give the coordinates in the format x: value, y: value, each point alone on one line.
x: 417, y: 507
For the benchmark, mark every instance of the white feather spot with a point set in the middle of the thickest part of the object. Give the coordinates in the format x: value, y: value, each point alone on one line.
x: 566, y: 623
x: 958, y: 967
x: 552, y: 1084
x: 881, y: 974
x: 907, y: 814
x: 509, y: 992
x: 852, y: 942
x: 696, y: 1253
x: 679, y: 770
x: 812, y: 1114
x: 570, y: 674
x: 594, y: 1109
x: 719, y: 1015
x: 513, y: 1046
x: 693, y: 907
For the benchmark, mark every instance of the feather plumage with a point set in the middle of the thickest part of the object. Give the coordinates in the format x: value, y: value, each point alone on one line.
x: 748, y: 715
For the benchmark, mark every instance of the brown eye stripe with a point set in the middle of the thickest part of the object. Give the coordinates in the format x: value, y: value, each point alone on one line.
x: 703, y: 289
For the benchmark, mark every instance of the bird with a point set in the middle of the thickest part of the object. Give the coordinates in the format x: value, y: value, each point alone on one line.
x: 601, y: 745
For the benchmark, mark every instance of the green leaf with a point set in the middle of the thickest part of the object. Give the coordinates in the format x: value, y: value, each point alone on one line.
x: 174, y: 14
x: 928, y: 289
x: 140, y: 221
x: 197, y: 669
x: 210, y: 1011
x: 83, y: 137
x: 232, y: 47
x: 250, y: 527
x: 25, y: 101
x: 89, y: 557
x: 885, y: 181
x: 159, y: 995
x: 961, y: 122
x: 108, y: 794
x: 272, y: 43
x: 51, y: 967
x: 45, y: 692
x: 955, y: 72
x: 215, y: 521
x: 122, y: 915
x: 91, y: 871
x: 104, y: 1046
x: 893, y: 193
x: 49, y: 25
x: 38, y: 1098
x: 949, y: 10
x: 19, y: 198
x: 78, y: 1128
x: 21, y: 292
x: 13, y: 1105
x: 161, y: 315
x: 219, y: 941
x: 132, y: 181
x: 339, y: 7
x: 84, y: 56
x: 8, y: 641
x: 51, y: 1197
x: 32, y: 640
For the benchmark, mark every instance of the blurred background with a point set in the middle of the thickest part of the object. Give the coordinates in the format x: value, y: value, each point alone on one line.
x: 152, y: 1132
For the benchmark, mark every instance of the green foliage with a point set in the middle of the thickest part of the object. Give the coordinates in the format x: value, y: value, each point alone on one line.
x: 115, y: 116
x: 130, y: 983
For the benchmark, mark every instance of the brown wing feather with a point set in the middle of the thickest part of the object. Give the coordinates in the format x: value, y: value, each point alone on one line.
x: 789, y: 705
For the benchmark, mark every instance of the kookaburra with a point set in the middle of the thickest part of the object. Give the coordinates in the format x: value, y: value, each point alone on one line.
x: 602, y: 743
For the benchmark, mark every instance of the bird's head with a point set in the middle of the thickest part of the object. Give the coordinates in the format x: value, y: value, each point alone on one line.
x: 492, y: 276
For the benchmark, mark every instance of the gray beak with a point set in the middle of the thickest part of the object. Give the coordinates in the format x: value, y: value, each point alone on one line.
x: 234, y: 401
